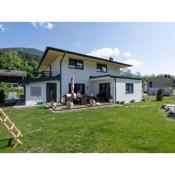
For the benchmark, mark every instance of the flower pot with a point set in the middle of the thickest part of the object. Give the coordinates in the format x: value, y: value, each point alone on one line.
x: 69, y: 105
x: 110, y: 100
x: 92, y: 102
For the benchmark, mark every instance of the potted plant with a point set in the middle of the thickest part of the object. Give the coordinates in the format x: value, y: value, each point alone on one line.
x: 92, y: 102
x: 111, y: 99
x: 69, y: 104
x: 53, y: 105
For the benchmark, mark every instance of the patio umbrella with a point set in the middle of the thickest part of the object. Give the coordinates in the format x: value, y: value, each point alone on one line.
x: 72, y: 86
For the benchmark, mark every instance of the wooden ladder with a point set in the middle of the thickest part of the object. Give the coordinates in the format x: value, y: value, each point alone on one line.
x: 11, y: 128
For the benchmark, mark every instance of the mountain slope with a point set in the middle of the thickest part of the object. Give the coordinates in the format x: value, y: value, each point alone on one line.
x: 26, y: 59
x: 29, y: 51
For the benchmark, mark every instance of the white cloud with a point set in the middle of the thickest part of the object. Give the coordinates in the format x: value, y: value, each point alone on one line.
x: 45, y: 25
x: 105, y: 52
x: 78, y: 43
x: 3, y: 28
x: 133, y: 62
x: 127, y: 54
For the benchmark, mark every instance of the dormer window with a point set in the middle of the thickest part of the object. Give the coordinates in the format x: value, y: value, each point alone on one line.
x: 101, y: 68
x: 76, y: 64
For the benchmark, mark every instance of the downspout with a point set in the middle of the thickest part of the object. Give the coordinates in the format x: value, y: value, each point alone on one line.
x: 24, y: 86
x: 61, y: 75
x: 50, y: 70
x: 115, y: 90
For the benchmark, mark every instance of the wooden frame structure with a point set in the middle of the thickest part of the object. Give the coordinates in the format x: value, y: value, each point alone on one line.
x: 11, y: 128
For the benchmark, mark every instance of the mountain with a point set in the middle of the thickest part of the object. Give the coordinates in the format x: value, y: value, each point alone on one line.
x: 28, y: 51
x: 20, y: 58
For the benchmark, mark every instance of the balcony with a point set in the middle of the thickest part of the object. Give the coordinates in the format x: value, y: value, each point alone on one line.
x: 43, y: 74
x: 128, y: 74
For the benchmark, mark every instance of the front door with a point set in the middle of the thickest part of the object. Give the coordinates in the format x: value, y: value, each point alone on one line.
x: 104, y: 91
x: 51, y: 92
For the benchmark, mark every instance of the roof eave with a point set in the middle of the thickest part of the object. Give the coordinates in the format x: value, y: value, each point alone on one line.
x: 116, y: 76
x: 83, y: 55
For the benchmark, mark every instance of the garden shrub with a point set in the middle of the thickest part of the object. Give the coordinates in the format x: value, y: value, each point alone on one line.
x: 170, y: 92
x: 159, y: 95
x: 2, y: 96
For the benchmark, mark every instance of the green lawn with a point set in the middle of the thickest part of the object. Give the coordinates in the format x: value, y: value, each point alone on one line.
x: 142, y: 128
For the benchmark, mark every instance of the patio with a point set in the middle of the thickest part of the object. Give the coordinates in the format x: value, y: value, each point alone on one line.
x: 63, y: 108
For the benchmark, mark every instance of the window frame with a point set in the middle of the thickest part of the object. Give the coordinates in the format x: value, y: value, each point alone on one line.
x: 101, y: 65
x: 129, y: 88
x: 75, y: 64
x: 35, y: 95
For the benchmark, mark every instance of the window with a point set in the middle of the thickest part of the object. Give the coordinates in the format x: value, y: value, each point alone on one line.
x: 35, y: 91
x: 101, y: 68
x: 129, y: 88
x: 78, y: 88
x: 76, y: 64
x: 150, y: 84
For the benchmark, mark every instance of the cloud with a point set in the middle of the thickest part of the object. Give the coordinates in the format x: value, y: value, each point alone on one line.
x: 127, y: 54
x: 44, y: 25
x: 133, y: 62
x: 78, y: 43
x: 3, y: 28
x: 105, y: 52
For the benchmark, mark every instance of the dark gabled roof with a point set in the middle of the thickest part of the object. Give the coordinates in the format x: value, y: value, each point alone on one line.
x: 162, y: 77
x: 79, y: 54
x: 12, y: 73
x: 116, y: 76
x: 32, y: 80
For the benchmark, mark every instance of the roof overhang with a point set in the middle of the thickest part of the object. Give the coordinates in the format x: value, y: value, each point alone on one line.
x: 51, y: 54
x: 41, y: 79
x: 12, y: 73
x: 102, y: 77
x: 48, y: 58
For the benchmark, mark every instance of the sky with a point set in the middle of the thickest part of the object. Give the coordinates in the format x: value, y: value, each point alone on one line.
x: 149, y: 47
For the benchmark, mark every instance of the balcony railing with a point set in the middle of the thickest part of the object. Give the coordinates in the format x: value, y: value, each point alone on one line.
x: 43, y: 74
x: 119, y: 73
x: 128, y: 74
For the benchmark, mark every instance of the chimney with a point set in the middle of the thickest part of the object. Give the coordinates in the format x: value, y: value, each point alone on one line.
x: 111, y: 59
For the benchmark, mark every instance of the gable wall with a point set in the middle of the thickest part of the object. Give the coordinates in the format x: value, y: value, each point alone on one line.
x: 161, y: 82
x: 82, y: 76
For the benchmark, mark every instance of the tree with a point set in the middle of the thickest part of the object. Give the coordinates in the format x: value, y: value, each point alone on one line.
x: 12, y: 59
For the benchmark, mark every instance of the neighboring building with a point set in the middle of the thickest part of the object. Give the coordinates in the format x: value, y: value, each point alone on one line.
x: 92, y: 76
x: 145, y: 87
x: 166, y: 82
x: 13, y: 78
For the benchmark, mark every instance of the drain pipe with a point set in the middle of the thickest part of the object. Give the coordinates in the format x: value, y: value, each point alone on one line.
x: 61, y: 75
x: 115, y: 89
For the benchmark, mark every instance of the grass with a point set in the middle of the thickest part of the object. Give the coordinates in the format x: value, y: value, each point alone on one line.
x: 134, y: 127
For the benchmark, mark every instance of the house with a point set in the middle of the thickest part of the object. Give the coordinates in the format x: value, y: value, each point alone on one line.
x: 145, y: 87
x: 165, y: 82
x: 93, y: 76
x: 13, y: 78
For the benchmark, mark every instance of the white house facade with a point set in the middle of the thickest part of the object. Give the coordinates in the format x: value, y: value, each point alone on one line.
x: 93, y: 76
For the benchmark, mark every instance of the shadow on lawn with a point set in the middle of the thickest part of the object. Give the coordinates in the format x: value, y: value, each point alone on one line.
x: 42, y: 107
x: 4, y: 143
